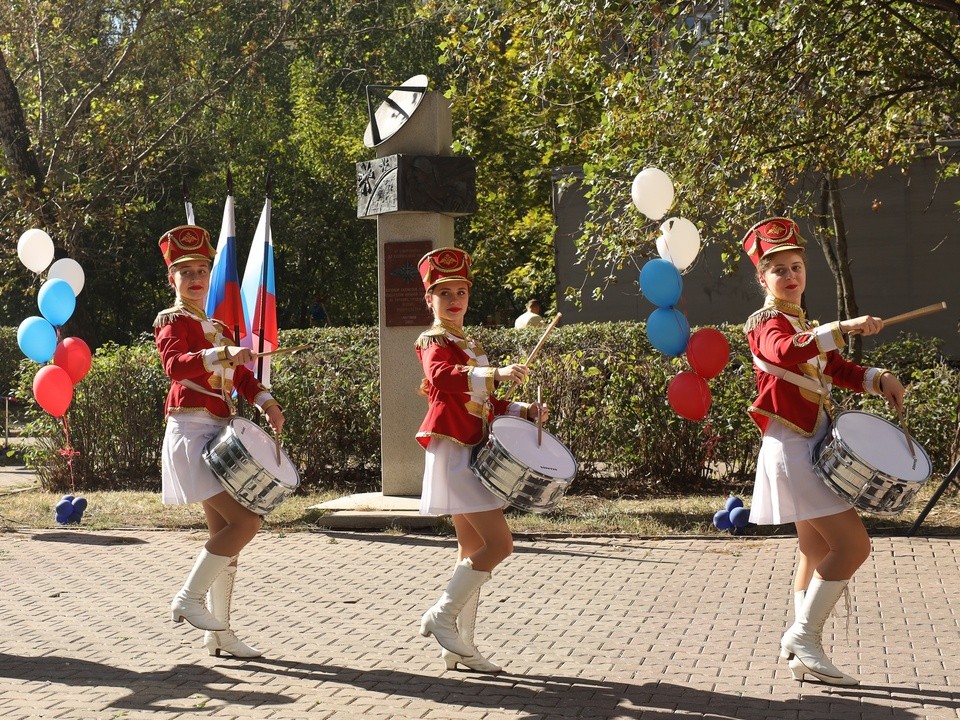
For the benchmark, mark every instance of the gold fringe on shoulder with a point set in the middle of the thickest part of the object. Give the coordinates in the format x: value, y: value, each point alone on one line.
x: 759, y: 317
x: 434, y: 336
x: 165, y: 317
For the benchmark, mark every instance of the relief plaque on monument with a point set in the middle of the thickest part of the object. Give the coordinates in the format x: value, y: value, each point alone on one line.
x: 445, y: 184
x: 403, y: 290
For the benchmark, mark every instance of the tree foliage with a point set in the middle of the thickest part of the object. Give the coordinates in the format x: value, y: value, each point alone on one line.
x: 752, y: 107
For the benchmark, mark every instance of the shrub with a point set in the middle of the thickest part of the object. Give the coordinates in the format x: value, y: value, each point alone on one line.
x: 605, y: 384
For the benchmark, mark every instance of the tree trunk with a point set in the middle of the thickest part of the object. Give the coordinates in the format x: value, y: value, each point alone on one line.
x: 833, y: 240
x: 14, y: 136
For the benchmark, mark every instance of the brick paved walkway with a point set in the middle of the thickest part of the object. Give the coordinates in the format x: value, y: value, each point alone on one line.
x: 585, y: 627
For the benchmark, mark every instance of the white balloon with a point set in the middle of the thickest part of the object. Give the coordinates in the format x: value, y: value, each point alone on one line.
x: 652, y: 192
x: 35, y: 250
x: 69, y: 270
x: 679, y: 243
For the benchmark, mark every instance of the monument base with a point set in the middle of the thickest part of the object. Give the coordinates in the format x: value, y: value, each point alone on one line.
x: 373, y: 511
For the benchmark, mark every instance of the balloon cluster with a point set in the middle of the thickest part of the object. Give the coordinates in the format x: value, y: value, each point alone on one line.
x: 734, y: 516
x: 69, y: 510
x: 660, y: 282
x: 39, y: 335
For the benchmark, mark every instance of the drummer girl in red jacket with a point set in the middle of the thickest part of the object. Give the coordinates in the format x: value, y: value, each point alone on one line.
x: 797, y: 361
x: 459, y: 384
x: 205, y: 366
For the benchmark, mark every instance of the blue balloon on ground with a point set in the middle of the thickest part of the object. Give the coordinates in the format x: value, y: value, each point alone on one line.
x: 721, y: 520
x: 56, y: 301
x: 668, y: 331
x: 733, y: 502
x: 64, y: 507
x: 660, y: 283
x: 37, y: 339
x: 75, y: 518
x: 740, y: 517
x: 80, y: 504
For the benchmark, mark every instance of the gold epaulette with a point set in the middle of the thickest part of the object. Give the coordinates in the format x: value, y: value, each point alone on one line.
x: 165, y: 317
x: 434, y: 336
x: 759, y: 317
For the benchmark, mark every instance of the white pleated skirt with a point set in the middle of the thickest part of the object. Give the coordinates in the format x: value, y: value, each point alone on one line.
x: 786, y: 488
x: 186, y: 477
x: 449, y: 485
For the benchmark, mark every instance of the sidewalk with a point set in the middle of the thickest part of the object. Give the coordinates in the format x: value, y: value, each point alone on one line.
x: 585, y: 627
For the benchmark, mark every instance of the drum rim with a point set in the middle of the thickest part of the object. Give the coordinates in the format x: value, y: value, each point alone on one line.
x: 834, y: 431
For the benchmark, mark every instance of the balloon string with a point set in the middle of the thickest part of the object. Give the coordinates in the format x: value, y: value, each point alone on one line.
x: 710, y: 443
x: 68, y: 452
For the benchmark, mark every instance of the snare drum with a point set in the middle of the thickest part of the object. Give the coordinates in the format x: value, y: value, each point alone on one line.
x: 243, y: 457
x: 865, y: 460
x: 517, y: 470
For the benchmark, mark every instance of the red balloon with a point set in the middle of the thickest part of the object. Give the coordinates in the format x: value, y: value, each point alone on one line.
x: 689, y: 396
x: 73, y: 355
x: 708, y: 352
x: 53, y: 389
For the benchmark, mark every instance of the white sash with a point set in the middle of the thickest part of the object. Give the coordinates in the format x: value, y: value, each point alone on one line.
x: 808, y: 383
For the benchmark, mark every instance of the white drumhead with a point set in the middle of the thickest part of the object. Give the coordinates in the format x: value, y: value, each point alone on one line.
x: 261, y: 446
x: 882, y: 445
x: 519, y: 438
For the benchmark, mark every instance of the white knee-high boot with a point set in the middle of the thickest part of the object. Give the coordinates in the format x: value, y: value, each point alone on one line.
x: 467, y: 623
x: 218, y: 600
x: 798, y: 603
x: 188, y: 604
x: 802, y: 643
x: 441, y: 619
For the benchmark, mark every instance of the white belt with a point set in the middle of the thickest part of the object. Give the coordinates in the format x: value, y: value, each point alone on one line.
x: 808, y: 383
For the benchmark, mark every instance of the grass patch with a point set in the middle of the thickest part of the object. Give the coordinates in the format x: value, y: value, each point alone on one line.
x: 682, y: 515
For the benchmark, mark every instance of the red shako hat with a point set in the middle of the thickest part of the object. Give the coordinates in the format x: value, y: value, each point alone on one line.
x: 772, y: 235
x: 186, y: 242
x: 445, y: 265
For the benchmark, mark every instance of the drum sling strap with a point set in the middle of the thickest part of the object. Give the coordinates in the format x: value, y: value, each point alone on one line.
x: 191, y: 385
x: 804, y: 381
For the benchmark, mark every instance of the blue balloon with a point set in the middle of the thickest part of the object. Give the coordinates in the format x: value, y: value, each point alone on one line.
x: 740, y: 517
x: 75, y: 518
x: 64, y: 507
x: 733, y: 502
x: 721, y: 520
x: 37, y: 339
x: 80, y: 504
x: 56, y: 301
x: 668, y: 331
x: 660, y: 282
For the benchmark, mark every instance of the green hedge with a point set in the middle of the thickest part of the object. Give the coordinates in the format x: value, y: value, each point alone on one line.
x: 604, y: 382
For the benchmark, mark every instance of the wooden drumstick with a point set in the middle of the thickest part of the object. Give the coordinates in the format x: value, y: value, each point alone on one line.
x: 536, y: 350
x: 281, y: 351
x: 539, y: 419
x: 906, y: 433
x: 919, y: 312
x: 276, y: 442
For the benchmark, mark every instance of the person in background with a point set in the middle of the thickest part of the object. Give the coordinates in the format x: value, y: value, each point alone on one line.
x: 532, y: 317
x: 459, y: 383
x: 204, y: 365
x: 797, y: 363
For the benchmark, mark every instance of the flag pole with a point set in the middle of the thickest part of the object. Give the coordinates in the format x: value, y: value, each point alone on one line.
x: 236, y: 328
x: 262, y: 290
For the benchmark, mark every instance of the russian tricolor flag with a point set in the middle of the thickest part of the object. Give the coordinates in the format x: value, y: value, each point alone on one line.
x: 223, y: 299
x: 259, y: 294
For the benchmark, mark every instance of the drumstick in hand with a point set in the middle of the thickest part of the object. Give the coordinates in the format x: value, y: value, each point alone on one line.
x: 281, y: 351
x: 539, y: 419
x: 536, y: 350
x: 919, y: 312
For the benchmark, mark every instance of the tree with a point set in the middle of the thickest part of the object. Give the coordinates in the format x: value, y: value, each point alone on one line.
x: 753, y: 108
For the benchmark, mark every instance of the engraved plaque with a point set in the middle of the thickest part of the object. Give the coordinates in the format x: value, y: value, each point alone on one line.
x: 445, y: 184
x: 403, y: 290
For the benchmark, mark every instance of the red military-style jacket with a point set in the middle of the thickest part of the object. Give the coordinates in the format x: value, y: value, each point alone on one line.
x: 188, y: 343
x: 459, y: 385
x: 780, y: 335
